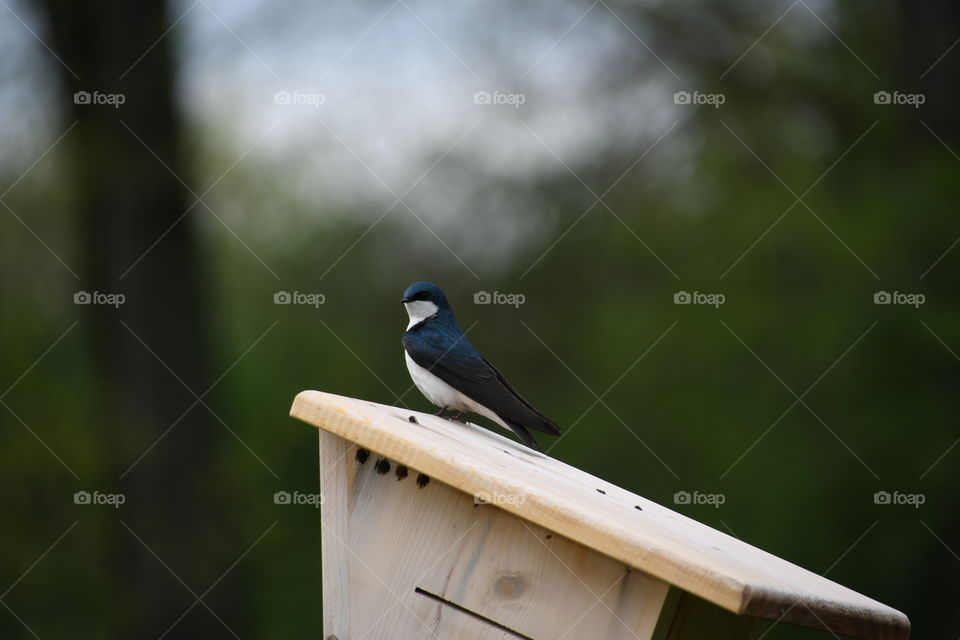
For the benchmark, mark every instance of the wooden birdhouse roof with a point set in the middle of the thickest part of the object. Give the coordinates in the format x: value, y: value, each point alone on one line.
x: 622, y: 525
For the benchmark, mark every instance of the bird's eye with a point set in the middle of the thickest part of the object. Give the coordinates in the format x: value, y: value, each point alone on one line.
x: 423, y: 295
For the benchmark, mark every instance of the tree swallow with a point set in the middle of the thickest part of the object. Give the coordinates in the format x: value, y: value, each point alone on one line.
x: 452, y: 374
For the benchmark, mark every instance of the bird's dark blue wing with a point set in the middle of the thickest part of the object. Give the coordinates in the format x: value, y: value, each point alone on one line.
x: 446, y: 352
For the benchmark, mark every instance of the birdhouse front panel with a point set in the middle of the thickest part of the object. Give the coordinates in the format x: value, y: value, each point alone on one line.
x: 425, y: 560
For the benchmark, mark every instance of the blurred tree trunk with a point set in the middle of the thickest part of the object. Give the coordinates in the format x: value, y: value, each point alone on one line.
x: 125, y: 201
x: 930, y: 65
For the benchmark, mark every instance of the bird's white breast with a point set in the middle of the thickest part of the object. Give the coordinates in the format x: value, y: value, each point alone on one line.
x: 443, y: 395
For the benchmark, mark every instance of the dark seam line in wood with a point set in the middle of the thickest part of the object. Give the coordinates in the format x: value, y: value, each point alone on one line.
x: 476, y: 615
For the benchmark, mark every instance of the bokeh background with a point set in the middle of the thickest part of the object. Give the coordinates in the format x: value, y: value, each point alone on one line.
x: 597, y: 159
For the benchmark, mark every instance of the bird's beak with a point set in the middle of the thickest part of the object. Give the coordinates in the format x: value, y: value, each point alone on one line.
x: 406, y: 300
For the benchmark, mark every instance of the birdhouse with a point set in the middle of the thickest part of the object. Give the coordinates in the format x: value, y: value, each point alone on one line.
x: 433, y: 529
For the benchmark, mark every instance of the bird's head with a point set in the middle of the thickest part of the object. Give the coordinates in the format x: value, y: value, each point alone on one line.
x: 422, y: 300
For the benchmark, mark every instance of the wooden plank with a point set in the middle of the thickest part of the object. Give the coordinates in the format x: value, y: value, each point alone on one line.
x: 428, y: 562
x: 545, y: 585
x: 334, y: 456
x: 566, y: 500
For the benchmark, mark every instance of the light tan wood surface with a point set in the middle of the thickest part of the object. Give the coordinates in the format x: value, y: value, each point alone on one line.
x: 562, y: 499
x: 427, y: 561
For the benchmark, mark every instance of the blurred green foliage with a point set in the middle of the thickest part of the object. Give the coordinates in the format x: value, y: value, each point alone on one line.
x: 691, y: 397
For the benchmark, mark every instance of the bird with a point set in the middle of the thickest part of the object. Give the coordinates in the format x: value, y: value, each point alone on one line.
x: 452, y: 374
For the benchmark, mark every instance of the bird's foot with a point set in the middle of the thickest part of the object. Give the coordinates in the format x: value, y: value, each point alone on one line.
x: 457, y: 418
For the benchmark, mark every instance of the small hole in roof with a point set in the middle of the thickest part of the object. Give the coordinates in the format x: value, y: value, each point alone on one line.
x: 637, y: 507
x: 601, y: 491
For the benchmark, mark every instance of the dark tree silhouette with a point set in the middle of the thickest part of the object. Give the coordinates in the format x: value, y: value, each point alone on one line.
x: 127, y: 165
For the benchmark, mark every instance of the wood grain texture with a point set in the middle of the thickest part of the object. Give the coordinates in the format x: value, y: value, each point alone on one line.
x: 524, y: 580
x: 708, y: 563
x: 333, y: 534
